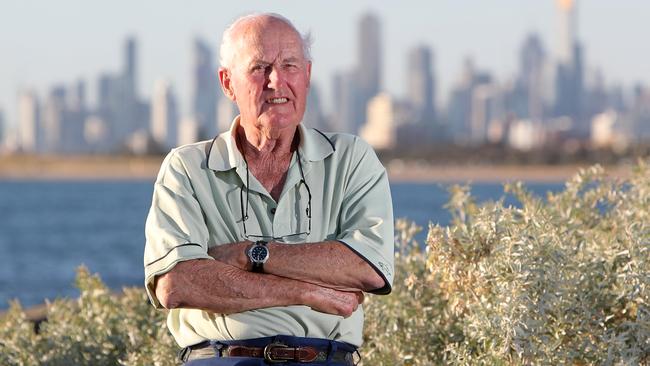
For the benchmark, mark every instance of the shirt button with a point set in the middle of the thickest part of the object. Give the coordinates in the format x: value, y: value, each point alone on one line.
x: 273, y: 211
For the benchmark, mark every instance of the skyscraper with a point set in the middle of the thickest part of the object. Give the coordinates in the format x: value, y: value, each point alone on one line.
x: 54, y: 118
x: 204, y: 89
x: 368, y: 70
x: 314, y: 114
x: 485, y: 109
x: 119, y: 104
x: 531, y: 77
x: 568, y: 26
x: 77, y: 111
x: 463, y: 122
x: 30, y: 133
x: 164, y: 116
x: 569, y: 72
x: 421, y: 84
x: 344, y: 97
x: 130, y: 68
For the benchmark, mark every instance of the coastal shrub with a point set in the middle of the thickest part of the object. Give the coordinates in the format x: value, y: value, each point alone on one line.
x: 557, y: 280
x: 99, y: 328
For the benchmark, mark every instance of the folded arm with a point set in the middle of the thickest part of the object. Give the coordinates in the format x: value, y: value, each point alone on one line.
x: 220, y: 288
x: 329, y: 264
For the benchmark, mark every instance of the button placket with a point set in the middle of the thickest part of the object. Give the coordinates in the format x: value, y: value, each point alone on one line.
x: 279, y: 220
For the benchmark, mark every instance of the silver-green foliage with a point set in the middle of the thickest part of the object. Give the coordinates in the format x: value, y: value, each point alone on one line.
x: 558, y: 281
x: 99, y: 328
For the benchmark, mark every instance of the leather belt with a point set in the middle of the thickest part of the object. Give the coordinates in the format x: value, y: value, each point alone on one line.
x: 275, y: 352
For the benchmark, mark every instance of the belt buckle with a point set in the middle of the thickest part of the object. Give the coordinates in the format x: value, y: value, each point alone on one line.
x: 269, y: 357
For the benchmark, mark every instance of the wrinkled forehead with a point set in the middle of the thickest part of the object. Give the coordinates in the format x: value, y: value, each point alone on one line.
x: 267, y: 40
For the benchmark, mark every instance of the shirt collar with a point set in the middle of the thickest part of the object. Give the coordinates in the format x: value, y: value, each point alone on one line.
x: 224, y: 155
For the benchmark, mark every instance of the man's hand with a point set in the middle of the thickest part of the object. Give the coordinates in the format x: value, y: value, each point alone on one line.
x: 233, y: 254
x: 330, y: 301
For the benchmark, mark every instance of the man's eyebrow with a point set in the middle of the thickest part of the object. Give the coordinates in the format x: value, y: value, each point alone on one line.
x: 291, y: 59
x: 257, y: 62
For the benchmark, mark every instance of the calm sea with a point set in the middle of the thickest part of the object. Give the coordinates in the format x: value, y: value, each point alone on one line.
x: 48, y: 229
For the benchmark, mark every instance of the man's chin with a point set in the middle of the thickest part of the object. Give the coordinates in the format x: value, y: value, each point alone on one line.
x: 278, y: 125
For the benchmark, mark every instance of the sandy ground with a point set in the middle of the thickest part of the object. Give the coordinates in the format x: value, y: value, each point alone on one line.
x: 79, y: 167
x: 146, y: 168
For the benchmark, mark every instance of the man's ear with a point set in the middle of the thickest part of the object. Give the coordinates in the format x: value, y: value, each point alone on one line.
x: 226, y: 83
x: 308, y: 74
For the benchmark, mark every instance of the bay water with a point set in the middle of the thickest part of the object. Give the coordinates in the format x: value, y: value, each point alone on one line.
x: 49, y: 228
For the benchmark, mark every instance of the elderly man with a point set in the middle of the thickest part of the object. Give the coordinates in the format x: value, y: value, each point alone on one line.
x: 262, y: 241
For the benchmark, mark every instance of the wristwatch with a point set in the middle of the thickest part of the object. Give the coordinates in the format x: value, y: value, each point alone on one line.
x: 258, y: 255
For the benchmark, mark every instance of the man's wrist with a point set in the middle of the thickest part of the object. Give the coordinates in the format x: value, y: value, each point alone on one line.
x: 258, y: 254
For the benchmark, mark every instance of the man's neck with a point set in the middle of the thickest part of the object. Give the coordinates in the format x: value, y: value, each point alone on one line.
x: 254, y: 145
x: 268, y: 159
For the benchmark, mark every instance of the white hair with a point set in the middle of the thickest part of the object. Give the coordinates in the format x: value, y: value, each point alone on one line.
x: 227, y: 49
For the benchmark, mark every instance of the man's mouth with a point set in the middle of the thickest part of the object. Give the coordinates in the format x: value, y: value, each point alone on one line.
x: 277, y: 100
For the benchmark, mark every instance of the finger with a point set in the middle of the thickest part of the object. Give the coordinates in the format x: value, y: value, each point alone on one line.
x: 360, y: 297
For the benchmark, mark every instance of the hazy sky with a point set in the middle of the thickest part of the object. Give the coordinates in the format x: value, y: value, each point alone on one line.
x: 48, y: 42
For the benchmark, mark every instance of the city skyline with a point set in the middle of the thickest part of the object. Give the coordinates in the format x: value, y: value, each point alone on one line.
x: 449, y: 43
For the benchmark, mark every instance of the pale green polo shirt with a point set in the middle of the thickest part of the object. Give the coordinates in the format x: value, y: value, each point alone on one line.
x: 197, y: 203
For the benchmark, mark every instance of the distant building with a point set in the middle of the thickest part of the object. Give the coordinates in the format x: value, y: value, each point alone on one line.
x: 421, y: 91
x: 525, y: 135
x: 314, y: 116
x: 640, y: 115
x: 227, y: 112
x: 119, y: 104
x: 568, y: 29
x: 607, y: 131
x: 465, y: 125
x: 596, y: 100
x: 188, y: 131
x: 570, y: 69
x: 164, y: 116
x: 96, y: 135
x: 54, y: 118
x: 380, y: 131
x: 530, y: 84
x: 344, y: 116
x: 77, y: 113
x: 388, y: 126
x: 369, y: 67
x: 130, y: 70
x: 205, y: 89
x: 486, y: 108
x: 30, y: 131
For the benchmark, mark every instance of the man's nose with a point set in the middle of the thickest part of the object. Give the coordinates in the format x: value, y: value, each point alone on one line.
x: 275, y: 78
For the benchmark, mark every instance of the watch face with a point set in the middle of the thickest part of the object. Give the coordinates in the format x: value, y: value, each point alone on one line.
x: 259, y: 253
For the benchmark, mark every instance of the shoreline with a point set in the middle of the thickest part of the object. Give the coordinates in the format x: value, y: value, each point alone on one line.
x: 414, y: 173
x: 125, y: 168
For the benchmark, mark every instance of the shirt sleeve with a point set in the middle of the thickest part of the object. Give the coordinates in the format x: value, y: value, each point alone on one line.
x: 367, y: 215
x: 175, y: 230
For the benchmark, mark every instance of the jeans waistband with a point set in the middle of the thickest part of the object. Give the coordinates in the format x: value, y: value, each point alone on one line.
x: 328, y: 349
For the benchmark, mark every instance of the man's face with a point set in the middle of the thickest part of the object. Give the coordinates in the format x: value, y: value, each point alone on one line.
x: 269, y: 77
